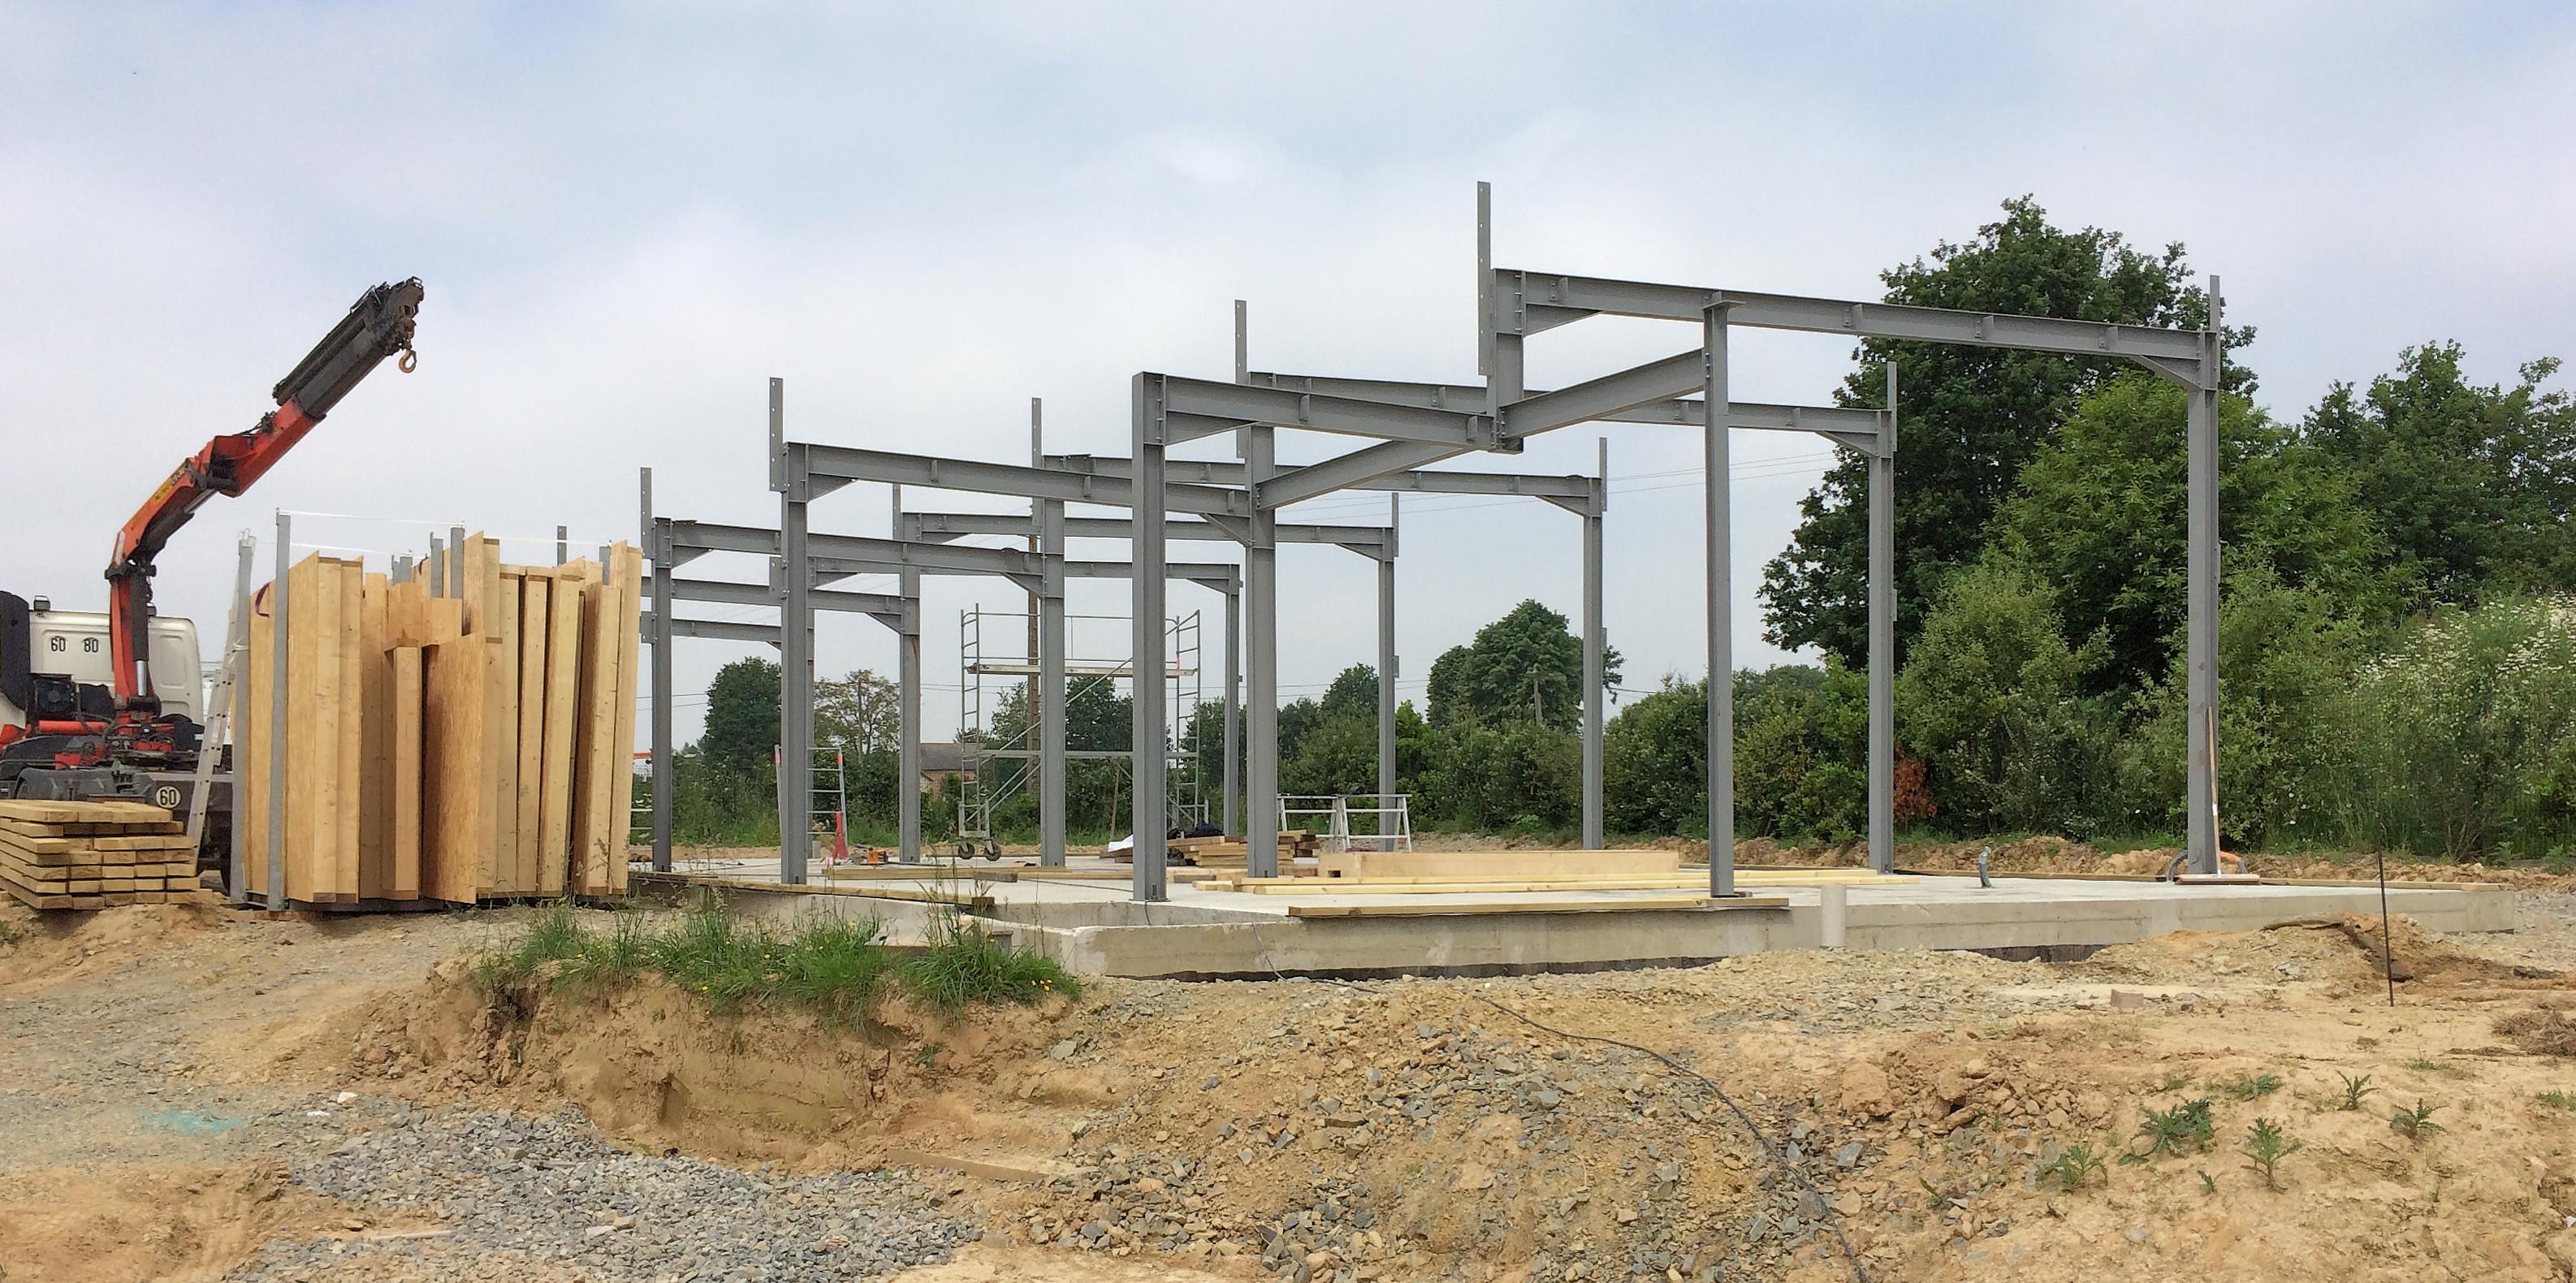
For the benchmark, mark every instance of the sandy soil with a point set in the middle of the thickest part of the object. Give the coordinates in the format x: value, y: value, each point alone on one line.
x: 162, y: 1069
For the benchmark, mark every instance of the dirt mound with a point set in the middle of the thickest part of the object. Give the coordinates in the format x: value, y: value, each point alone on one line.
x: 41, y: 950
x: 652, y: 1064
x: 151, y: 1222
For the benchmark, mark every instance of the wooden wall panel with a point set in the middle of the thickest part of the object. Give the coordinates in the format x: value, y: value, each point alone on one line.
x: 535, y: 627
x: 403, y: 761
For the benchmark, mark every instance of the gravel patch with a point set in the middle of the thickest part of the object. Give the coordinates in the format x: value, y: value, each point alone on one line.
x: 522, y: 1197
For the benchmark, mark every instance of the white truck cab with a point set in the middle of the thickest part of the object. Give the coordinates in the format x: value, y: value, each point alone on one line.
x: 73, y: 644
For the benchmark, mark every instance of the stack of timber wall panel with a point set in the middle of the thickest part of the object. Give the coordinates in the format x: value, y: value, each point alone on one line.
x: 455, y: 749
x: 89, y: 855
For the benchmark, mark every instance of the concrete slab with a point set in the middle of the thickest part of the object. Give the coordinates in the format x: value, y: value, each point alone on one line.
x: 1094, y: 928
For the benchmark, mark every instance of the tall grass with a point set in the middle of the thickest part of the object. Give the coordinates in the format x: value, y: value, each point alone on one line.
x: 836, y: 968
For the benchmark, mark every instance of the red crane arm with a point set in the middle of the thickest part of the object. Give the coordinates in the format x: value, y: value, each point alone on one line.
x: 379, y: 325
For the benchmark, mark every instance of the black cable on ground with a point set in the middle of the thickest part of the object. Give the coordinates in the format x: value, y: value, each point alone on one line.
x: 1833, y: 1219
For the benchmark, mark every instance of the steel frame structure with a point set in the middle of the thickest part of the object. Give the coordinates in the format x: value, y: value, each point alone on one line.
x: 1418, y: 425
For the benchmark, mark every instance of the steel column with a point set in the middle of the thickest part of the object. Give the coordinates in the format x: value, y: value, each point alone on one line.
x: 1594, y: 656
x: 1050, y: 702
x: 237, y: 717
x: 795, y: 668
x: 2201, y: 613
x: 1261, y: 662
x: 1145, y: 739
x: 657, y: 546
x: 1882, y: 639
x: 907, y: 680
x: 278, y: 605
x: 434, y: 570
x: 1386, y: 661
x: 1232, y: 818
x: 456, y: 561
x: 1721, y: 613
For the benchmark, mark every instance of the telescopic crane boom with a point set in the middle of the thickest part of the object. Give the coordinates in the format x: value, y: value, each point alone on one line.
x: 379, y: 325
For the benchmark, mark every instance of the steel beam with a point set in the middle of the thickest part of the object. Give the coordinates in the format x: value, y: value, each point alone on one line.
x: 1232, y: 739
x: 658, y: 633
x: 1882, y: 641
x: 1721, y: 613
x: 1261, y: 661
x: 1402, y: 480
x: 1595, y: 657
x: 875, y: 555
x: 1679, y: 411
x: 1544, y: 300
x: 1146, y: 736
x: 1386, y: 661
x: 795, y: 659
x: 974, y: 476
x: 279, y: 605
x: 933, y: 525
x: 2200, y: 621
x: 1199, y: 407
x: 715, y: 629
x: 1050, y: 702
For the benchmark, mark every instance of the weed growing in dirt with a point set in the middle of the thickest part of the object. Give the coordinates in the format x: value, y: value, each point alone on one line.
x: 2558, y: 1099
x: 1941, y: 1200
x: 2354, y: 1088
x: 964, y: 966
x: 2266, y: 1145
x: 10, y: 934
x: 2075, y: 1167
x: 2253, y: 1086
x: 833, y: 967
x: 2427, y: 1066
x: 2417, y: 1123
x: 2174, y: 1080
x: 2207, y: 1186
x: 2184, y: 1129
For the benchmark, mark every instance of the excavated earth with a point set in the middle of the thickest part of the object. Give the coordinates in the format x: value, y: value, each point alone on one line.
x: 190, y: 1094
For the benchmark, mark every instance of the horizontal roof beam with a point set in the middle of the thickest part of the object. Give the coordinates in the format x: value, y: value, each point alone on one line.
x: 1234, y: 474
x: 956, y: 524
x: 1529, y: 302
x: 721, y: 629
x: 723, y: 593
x: 1202, y: 406
x: 1689, y: 412
x: 881, y: 554
x: 846, y: 463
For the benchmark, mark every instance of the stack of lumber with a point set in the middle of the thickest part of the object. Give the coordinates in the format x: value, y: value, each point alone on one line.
x: 89, y: 855
x: 1232, y: 853
x: 446, y: 748
x: 1499, y: 866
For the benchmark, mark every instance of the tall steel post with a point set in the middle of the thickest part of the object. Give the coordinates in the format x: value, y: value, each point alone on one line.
x: 1721, y: 613
x: 1051, y: 692
x: 907, y: 674
x: 434, y: 569
x: 1594, y: 653
x: 563, y: 536
x: 795, y: 657
x: 2201, y: 613
x: 1386, y: 662
x: 1146, y: 737
x: 456, y: 561
x: 278, y: 606
x: 657, y: 545
x: 1032, y: 699
x: 1232, y: 820
x: 1882, y: 638
x: 237, y: 717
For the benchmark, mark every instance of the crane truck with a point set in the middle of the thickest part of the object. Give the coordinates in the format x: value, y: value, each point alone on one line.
x: 110, y: 704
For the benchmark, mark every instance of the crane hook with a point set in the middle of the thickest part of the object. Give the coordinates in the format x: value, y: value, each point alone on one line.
x: 410, y: 361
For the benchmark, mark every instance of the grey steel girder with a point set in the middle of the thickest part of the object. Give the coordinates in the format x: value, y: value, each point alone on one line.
x: 845, y: 463
x: 1193, y: 408
x: 946, y: 525
x: 1856, y: 428
x: 1527, y: 302
x: 1236, y: 474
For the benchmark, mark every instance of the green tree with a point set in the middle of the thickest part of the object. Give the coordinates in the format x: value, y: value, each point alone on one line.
x: 1993, y: 699
x: 742, y: 719
x: 2473, y: 487
x: 2101, y: 513
x: 1801, y: 746
x: 1968, y: 417
x: 860, y: 711
x: 1525, y: 666
x: 1654, y: 762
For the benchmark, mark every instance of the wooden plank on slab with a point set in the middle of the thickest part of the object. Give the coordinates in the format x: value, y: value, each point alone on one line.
x: 629, y: 566
x: 500, y: 875
x: 375, y: 732
x: 535, y: 627
x: 1497, y: 864
x: 106, y: 812
x: 403, y: 752
x: 563, y: 708
x: 452, y: 789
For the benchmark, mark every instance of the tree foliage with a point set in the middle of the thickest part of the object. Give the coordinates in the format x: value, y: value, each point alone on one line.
x: 1526, y: 666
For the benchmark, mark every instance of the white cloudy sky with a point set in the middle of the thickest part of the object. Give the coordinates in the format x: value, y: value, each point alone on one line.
x: 629, y: 216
